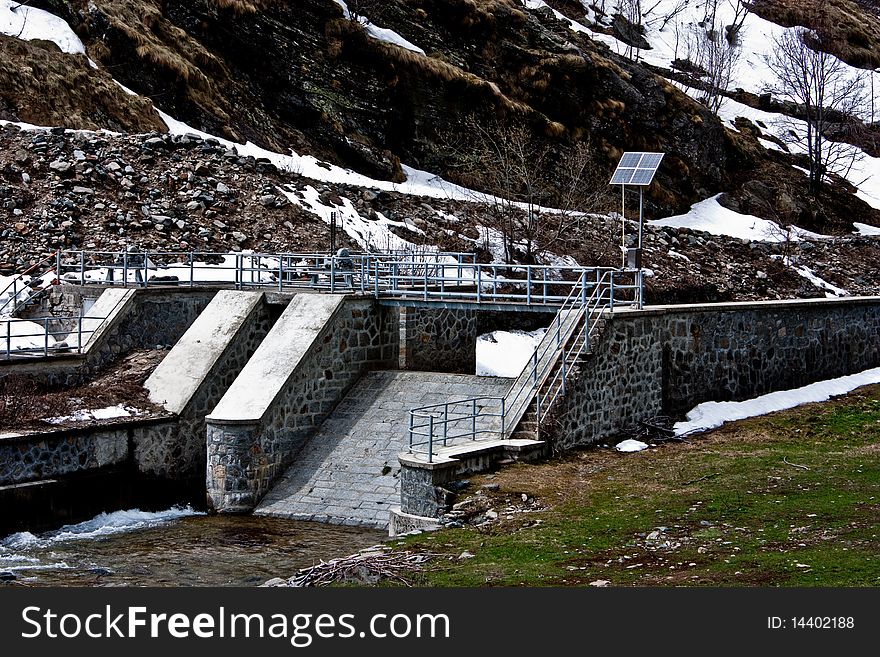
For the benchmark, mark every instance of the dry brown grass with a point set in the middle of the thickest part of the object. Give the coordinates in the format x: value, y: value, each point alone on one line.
x: 846, y: 29
x: 44, y: 86
x: 427, y: 67
x: 164, y: 45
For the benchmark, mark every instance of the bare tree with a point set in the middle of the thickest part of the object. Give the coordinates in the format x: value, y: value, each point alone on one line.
x: 368, y: 10
x: 631, y: 12
x: 827, y: 98
x: 713, y: 51
x: 527, y: 173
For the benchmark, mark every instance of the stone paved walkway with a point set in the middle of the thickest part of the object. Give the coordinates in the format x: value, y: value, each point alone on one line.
x: 348, y: 472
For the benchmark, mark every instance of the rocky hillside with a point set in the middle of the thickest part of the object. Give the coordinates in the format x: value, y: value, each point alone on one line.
x: 70, y: 190
x: 309, y: 76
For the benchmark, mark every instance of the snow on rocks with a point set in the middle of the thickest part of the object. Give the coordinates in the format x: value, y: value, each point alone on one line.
x: 87, y: 415
x: 380, y: 33
x: 712, y: 217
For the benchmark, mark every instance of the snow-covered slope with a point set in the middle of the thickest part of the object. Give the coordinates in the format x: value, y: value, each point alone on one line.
x: 667, y: 24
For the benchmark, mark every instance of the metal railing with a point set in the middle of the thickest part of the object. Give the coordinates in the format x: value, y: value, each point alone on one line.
x: 13, y: 290
x: 426, y: 277
x: 544, y: 377
x: 440, y: 425
x: 42, y: 340
x: 570, y: 352
x: 284, y: 270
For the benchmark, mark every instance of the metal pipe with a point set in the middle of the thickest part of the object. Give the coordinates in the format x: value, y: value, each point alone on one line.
x: 529, y: 286
x: 503, y: 418
x: 430, y: 439
x: 474, y: 419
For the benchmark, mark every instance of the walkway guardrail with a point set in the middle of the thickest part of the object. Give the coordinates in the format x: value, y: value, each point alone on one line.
x: 426, y: 277
x: 265, y: 270
x: 440, y: 425
x: 19, y: 291
x: 543, y: 378
x: 35, y: 337
x: 420, y: 277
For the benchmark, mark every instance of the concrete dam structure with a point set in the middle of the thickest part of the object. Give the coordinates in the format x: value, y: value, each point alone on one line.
x: 355, y: 409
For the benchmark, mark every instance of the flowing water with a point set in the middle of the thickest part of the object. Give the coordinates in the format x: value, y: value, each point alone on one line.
x: 177, y: 547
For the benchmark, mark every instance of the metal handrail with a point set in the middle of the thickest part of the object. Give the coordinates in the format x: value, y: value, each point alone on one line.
x: 18, y: 278
x: 437, y: 418
x: 433, y: 277
x: 46, y: 349
x: 565, y: 341
x: 578, y: 342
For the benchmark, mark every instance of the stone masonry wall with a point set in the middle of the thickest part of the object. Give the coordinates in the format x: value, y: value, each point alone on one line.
x: 156, y: 317
x: 669, y: 360
x: 159, y: 317
x: 739, y: 353
x: 57, y: 453
x: 189, y: 439
x: 617, y: 385
x: 245, y: 459
x: 442, y: 340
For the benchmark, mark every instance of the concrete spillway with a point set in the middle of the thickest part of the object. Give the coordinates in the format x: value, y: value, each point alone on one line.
x: 347, y: 473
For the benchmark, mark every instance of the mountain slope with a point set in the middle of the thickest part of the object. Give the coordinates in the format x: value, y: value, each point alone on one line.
x: 313, y: 78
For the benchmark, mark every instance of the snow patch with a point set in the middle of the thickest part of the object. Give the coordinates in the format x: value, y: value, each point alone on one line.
x: 380, y: 33
x: 506, y: 353
x: 821, y: 283
x: 865, y: 229
x: 106, y: 413
x: 631, y: 446
x: 711, y: 415
x: 712, y: 217
x: 27, y: 24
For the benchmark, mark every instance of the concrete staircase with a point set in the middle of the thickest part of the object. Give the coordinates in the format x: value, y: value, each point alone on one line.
x: 348, y: 472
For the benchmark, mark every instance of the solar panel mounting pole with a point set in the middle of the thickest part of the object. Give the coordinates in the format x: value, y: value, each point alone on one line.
x: 623, y: 224
x: 641, y: 214
x: 639, y: 169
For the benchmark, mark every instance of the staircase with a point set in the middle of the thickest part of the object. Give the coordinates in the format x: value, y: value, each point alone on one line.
x: 542, y: 385
x: 550, y: 395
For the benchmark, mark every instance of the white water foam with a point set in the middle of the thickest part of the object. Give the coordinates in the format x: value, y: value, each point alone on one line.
x: 104, y: 524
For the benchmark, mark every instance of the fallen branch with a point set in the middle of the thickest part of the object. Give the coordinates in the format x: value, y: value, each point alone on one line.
x: 794, y: 465
x: 366, y: 567
x: 703, y: 478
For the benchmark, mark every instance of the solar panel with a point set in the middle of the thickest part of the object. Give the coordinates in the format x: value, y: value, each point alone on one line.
x: 630, y: 160
x: 637, y: 169
x: 650, y: 160
x: 622, y: 176
x: 642, y: 177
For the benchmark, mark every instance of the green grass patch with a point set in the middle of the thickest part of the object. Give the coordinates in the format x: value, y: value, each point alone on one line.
x: 790, y: 499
